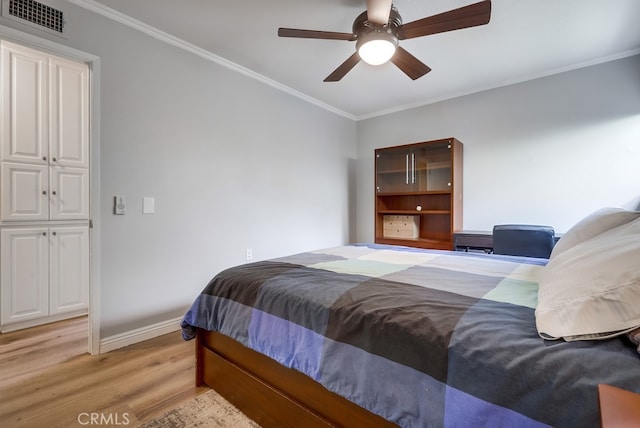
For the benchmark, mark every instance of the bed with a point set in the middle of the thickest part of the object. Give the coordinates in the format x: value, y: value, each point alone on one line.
x: 376, y: 335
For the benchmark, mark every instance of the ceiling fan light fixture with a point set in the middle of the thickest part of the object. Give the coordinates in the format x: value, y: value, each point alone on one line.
x: 376, y: 47
x: 377, y: 40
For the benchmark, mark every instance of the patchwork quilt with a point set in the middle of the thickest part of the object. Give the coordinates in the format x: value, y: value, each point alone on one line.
x: 423, y: 338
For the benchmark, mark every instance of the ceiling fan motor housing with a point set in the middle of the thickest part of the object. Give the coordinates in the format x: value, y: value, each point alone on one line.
x: 362, y: 25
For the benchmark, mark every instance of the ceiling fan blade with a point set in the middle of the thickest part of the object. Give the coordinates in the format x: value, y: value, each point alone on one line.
x: 313, y: 34
x: 456, y: 19
x: 409, y: 64
x: 344, y: 68
x: 378, y: 11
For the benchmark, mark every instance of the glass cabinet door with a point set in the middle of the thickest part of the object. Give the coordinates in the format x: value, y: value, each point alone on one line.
x: 432, y: 167
x: 393, y: 170
x: 415, y: 168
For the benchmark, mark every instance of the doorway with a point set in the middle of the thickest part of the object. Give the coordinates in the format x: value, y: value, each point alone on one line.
x: 72, y: 174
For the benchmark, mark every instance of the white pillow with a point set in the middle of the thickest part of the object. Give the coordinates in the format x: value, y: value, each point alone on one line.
x: 591, y: 290
x: 592, y: 225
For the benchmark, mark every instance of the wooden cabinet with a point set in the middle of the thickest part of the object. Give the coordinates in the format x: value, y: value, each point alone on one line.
x: 45, y: 271
x: 619, y: 408
x: 44, y: 186
x: 423, y: 181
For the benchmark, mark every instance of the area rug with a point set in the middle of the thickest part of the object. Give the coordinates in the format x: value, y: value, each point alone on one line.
x: 207, y: 410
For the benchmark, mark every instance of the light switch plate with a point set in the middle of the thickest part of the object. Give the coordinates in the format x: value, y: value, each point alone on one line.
x: 148, y: 205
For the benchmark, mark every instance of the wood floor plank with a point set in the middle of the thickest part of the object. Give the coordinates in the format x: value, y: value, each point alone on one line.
x: 48, y: 379
x: 27, y: 352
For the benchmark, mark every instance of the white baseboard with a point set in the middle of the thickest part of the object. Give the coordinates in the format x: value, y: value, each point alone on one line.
x: 139, y: 335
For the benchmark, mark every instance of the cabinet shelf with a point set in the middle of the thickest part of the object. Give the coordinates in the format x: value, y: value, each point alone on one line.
x: 433, y: 166
x: 418, y: 193
x: 417, y: 242
x: 413, y: 212
x: 393, y: 171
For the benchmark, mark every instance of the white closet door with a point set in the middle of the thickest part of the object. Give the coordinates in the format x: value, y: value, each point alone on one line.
x: 69, y: 269
x: 24, y: 115
x: 25, y: 274
x: 69, y: 112
x: 69, y: 189
x: 25, y: 192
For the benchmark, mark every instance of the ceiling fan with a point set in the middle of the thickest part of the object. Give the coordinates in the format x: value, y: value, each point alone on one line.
x: 378, y: 30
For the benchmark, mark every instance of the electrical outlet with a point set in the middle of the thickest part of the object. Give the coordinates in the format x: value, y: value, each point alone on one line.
x: 249, y: 254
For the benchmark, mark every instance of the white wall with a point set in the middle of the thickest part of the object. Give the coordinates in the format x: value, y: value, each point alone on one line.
x: 231, y: 162
x: 548, y: 151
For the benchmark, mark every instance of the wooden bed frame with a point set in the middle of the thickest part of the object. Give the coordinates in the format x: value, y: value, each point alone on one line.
x: 270, y: 393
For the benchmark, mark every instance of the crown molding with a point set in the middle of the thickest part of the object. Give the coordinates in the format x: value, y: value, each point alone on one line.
x: 114, y: 15
x: 520, y: 79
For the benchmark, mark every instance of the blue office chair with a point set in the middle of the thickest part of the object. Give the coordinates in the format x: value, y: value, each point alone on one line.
x: 523, y: 240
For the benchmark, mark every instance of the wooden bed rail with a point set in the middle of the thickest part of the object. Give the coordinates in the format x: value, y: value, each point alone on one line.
x: 270, y: 393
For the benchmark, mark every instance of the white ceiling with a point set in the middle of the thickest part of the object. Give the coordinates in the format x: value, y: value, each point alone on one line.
x: 525, y: 39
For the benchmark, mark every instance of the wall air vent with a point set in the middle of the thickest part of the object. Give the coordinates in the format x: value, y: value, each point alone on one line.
x: 35, y: 14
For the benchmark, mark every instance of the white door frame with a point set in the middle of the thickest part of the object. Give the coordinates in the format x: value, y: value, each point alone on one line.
x: 93, y: 61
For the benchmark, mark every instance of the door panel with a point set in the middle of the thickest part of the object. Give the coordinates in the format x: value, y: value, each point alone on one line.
x: 69, y: 193
x: 24, y: 115
x: 25, y: 194
x: 69, y: 269
x: 24, y: 277
x: 69, y: 113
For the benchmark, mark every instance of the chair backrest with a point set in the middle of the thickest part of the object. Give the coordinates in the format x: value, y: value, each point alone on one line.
x: 523, y: 240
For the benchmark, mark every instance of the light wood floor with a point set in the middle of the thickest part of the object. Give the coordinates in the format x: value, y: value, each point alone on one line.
x: 47, y: 378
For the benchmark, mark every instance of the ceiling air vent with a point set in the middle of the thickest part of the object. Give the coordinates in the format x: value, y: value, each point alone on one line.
x: 36, y: 14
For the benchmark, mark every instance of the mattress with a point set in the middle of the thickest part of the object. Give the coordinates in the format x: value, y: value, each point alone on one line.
x: 419, y: 337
